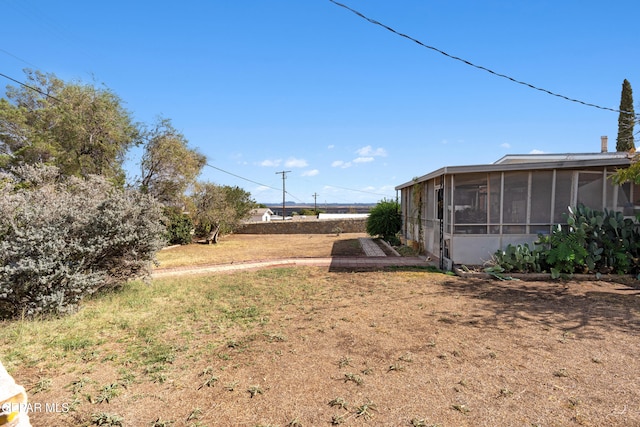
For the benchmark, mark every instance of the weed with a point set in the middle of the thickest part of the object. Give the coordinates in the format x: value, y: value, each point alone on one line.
x: 206, y: 371
x: 396, y: 367
x: 159, y: 353
x: 77, y: 385
x: 159, y: 378
x: 354, y: 378
x: 74, y: 343
x: 195, y: 414
x: 255, y: 390
x: 43, y: 384
x: 344, y: 361
x: 210, y: 382
x: 367, y: 371
x: 88, y: 356
x: 566, y: 336
x: 365, y: 410
x: 420, y: 422
x: 276, y: 337
x: 461, y: 408
x: 337, y: 420
x: 246, y: 314
x: 561, y: 373
x: 573, y: 402
x: 159, y: 423
x: 126, y: 377
x: 233, y: 344
x: 231, y: 386
x: 407, y: 357
x: 294, y: 423
x: 340, y: 402
x: 106, y: 419
x: 505, y: 392
x: 107, y: 393
x: 109, y: 358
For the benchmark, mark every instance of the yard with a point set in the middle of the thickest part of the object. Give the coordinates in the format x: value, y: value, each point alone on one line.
x: 309, y: 347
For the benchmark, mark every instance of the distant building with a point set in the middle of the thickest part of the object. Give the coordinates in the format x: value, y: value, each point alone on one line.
x: 342, y: 216
x: 261, y: 215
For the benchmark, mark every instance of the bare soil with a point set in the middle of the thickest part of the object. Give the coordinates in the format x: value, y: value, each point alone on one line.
x: 394, y: 348
x: 248, y: 247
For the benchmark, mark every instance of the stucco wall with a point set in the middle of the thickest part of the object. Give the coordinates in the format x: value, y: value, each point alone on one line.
x: 305, y: 227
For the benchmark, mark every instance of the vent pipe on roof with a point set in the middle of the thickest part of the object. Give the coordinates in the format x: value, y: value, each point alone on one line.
x: 604, y: 144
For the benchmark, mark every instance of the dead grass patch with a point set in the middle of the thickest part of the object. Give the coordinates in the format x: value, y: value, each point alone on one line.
x: 303, y: 346
x: 250, y: 247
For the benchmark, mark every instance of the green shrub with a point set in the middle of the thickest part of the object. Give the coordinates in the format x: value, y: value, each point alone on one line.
x: 590, y: 242
x: 179, y: 227
x: 63, y: 238
x: 385, y: 221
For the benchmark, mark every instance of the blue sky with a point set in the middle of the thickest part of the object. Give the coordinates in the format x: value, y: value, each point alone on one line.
x: 351, y: 109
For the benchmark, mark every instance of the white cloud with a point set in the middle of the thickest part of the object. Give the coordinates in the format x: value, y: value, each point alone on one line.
x: 331, y: 146
x: 369, y: 151
x: 292, y: 162
x: 536, y: 151
x: 363, y: 160
x: 261, y: 189
x: 312, y: 172
x: 505, y: 145
x: 341, y: 164
x: 271, y: 163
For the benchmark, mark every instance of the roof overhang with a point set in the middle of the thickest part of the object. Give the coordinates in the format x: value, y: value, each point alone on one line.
x: 614, y: 162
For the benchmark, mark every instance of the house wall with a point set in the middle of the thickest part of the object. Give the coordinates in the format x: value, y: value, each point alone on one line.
x: 485, y: 212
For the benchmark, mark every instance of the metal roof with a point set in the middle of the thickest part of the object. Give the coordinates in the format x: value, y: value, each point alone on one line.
x: 561, y: 161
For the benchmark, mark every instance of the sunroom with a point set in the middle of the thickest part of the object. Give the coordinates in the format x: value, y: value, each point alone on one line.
x: 463, y: 214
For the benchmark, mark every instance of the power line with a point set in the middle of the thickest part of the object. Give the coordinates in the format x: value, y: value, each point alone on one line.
x: 241, y: 177
x: 29, y: 87
x: 504, y: 76
x: 18, y: 58
x: 358, y: 191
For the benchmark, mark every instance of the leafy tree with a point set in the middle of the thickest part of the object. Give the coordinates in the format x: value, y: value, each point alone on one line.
x: 220, y: 208
x: 63, y: 238
x: 81, y: 129
x: 385, y: 220
x: 626, y: 119
x: 169, y: 166
x: 179, y: 226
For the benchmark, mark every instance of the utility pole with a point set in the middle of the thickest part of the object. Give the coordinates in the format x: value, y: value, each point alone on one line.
x: 284, y: 176
x: 315, y: 203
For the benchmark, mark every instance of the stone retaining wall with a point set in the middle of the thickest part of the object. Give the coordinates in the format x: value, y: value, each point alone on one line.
x: 305, y: 227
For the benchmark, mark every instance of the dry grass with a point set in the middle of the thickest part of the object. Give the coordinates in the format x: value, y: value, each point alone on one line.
x: 246, y: 247
x: 308, y: 347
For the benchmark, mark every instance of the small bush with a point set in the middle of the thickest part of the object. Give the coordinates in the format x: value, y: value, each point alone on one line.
x: 62, y: 239
x: 179, y: 227
x: 385, y: 221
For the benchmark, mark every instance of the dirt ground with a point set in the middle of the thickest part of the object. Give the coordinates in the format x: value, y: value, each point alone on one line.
x: 248, y: 247
x: 395, y: 348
